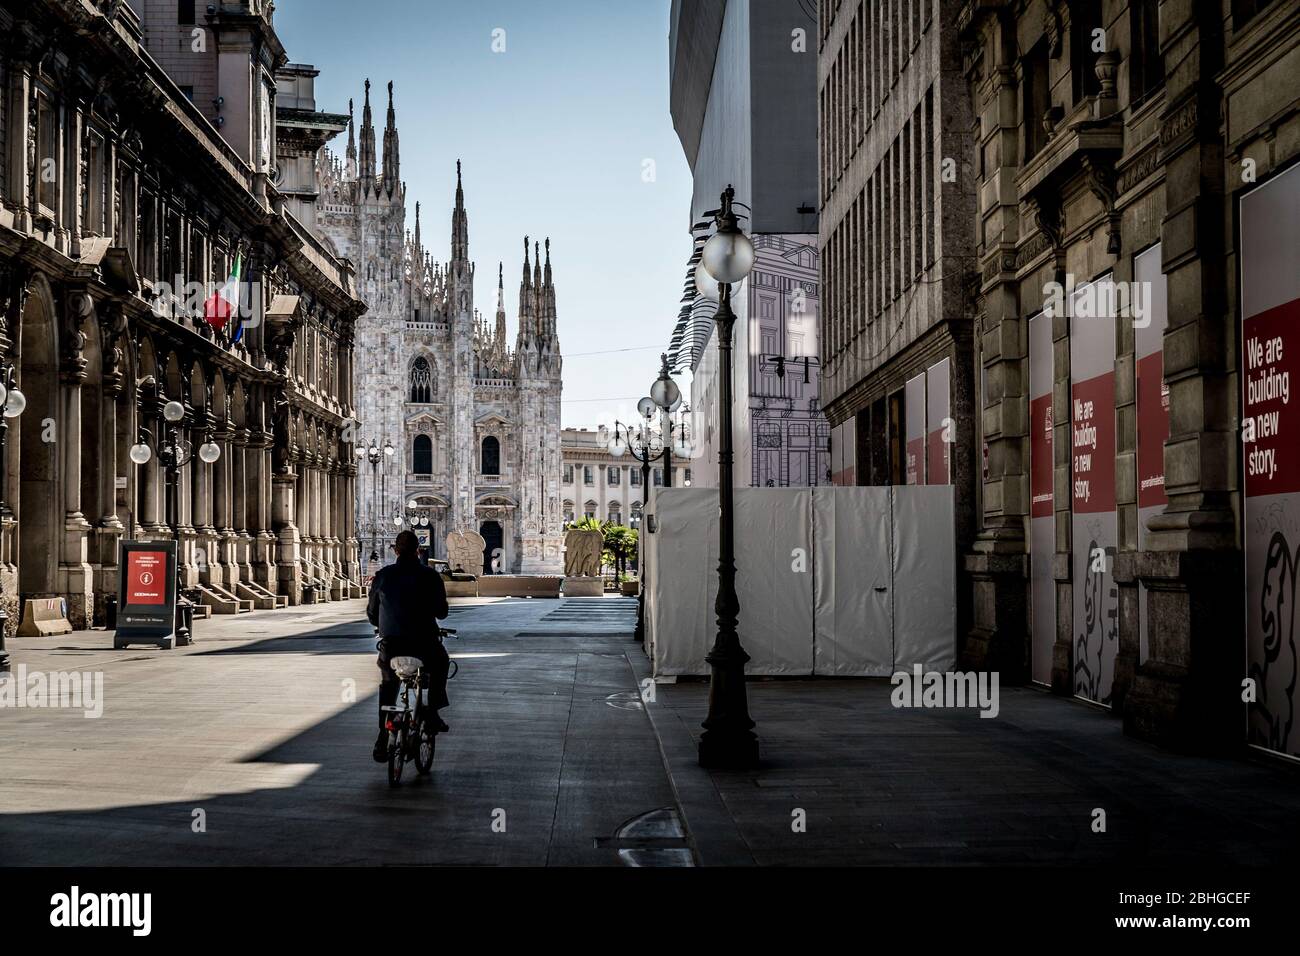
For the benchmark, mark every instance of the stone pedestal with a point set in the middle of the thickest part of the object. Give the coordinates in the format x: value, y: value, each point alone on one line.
x: 584, y: 587
x: 1187, y: 694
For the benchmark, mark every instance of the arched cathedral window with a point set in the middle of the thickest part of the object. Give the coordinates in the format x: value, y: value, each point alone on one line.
x: 422, y: 455
x: 491, y: 463
x: 421, y: 380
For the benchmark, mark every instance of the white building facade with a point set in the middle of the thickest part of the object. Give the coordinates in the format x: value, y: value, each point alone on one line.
x: 474, y: 423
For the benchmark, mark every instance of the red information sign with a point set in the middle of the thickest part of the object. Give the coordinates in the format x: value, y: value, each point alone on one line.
x: 146, y: 577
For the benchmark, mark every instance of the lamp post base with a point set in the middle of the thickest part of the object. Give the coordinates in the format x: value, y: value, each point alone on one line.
x: 728, y: 741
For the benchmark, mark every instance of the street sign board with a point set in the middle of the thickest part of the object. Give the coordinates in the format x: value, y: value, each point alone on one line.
x: 146, y: 593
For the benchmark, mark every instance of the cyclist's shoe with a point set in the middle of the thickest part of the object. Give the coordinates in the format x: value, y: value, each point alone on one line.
x: 381, y: 747
x: 440, y: 725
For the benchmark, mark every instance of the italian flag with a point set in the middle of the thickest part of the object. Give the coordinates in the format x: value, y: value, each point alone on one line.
x: 224, y: 303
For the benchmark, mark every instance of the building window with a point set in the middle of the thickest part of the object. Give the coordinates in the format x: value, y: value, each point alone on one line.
x: 1146, y: 62
x: 612, y: 478
x: 688, y: 476
x: 126, y: 222
x: 421, y: 380
x: 47, y: 160
x: 634, y: 477
x: 568, y: 474
x: 1035, y: 99
x: 1243, y: 10
x: 659, y: 477
x: 148, y: 252
x: 422, y: 455
x: 1084, y: 22
x: 185, y: 12
x: 93, y: 197
x: 491, y: 457
x: 588, y: 476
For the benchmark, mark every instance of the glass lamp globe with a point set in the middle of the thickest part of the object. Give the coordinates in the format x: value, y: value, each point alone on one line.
x: 706, y: 285
x: 424, y: 521
x: 141, y: 453
x: 173, y: 411
x: 388, y: 450
x: 728, y: 255
x: 209, y: 452
x: 361, y: 451
x: 399, y: 521
x: 683, y: 449
x: 4, y: 395
x: 412, y: 504
x: 646, y: 407
x: 617, y: 447
x: 15, y: 404
x: 666, y: 394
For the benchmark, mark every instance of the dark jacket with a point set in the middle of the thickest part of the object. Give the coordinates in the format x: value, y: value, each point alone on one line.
x: 406, y: 600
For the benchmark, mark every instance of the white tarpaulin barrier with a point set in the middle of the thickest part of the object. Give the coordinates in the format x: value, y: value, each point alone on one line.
x: 853, y: 626
x: 683, y: 553
x: 838, y: 581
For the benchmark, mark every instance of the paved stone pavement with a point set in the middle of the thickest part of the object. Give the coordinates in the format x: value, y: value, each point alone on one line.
x: 265, y: 726
x: 252, y: 727
x: 881, y: 786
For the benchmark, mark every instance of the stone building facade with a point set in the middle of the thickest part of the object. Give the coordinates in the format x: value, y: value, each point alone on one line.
x: 474, y: 421
x: 117, y: 191
x: 897, y: 231
x: 598, y: 485
x: 743, y: 89
x: 1127, y: 153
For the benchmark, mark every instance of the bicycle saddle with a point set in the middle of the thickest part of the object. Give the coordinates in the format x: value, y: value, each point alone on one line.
x: 406, y: 667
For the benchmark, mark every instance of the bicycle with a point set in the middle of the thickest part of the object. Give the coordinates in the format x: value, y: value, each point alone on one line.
x: 411, y: 735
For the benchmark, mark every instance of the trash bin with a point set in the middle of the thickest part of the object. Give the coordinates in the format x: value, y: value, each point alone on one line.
x: 110, y: 612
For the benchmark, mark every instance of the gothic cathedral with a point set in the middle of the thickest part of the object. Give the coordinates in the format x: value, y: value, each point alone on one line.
x: 473, y: 424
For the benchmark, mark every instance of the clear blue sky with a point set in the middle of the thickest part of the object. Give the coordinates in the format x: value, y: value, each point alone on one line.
x: 553, y: 133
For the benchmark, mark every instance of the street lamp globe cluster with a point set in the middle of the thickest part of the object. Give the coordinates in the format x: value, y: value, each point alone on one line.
x: 728, y: 740
x: 12, y: 404
x: 174, y: 453
x: 648, y: 443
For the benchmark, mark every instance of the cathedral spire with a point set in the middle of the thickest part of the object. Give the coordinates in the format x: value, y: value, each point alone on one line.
x: 367, y: 170
x: 459, y: 224
x: 419, y: 246
x: 501, y: 306
x: 351, y: 154
x: 392, y: 163
x: 548, y: 296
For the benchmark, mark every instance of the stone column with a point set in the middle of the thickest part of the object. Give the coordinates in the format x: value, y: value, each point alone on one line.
x: 75, y: 575
x: 999, y: 637
x: 1186, y: 694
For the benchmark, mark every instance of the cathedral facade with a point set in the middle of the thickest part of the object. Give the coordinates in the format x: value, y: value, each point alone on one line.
x: 458, y: 430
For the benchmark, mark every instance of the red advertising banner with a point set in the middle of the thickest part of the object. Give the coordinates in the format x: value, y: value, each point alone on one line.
x: 1092, y: 445
x: 1042, y: 521
x: 939, y: 426
x: 1150, y: 322
x: 914, y: 422
x: 146, y: 577
x: 1271, y: 424
x: 1270, y: 434
x: 1040, y: 456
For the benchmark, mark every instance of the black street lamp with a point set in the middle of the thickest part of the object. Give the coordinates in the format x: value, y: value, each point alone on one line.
x: 374, y: 454
x: 173, y: 456
x: 728, y: 741
x: 646, y: 443
x: 12, y: 403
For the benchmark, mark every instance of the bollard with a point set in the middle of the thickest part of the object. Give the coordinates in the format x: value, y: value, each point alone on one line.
x: 110, y: 612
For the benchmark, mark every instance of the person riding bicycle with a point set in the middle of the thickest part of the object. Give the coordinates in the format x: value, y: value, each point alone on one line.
x: 406, y: 600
